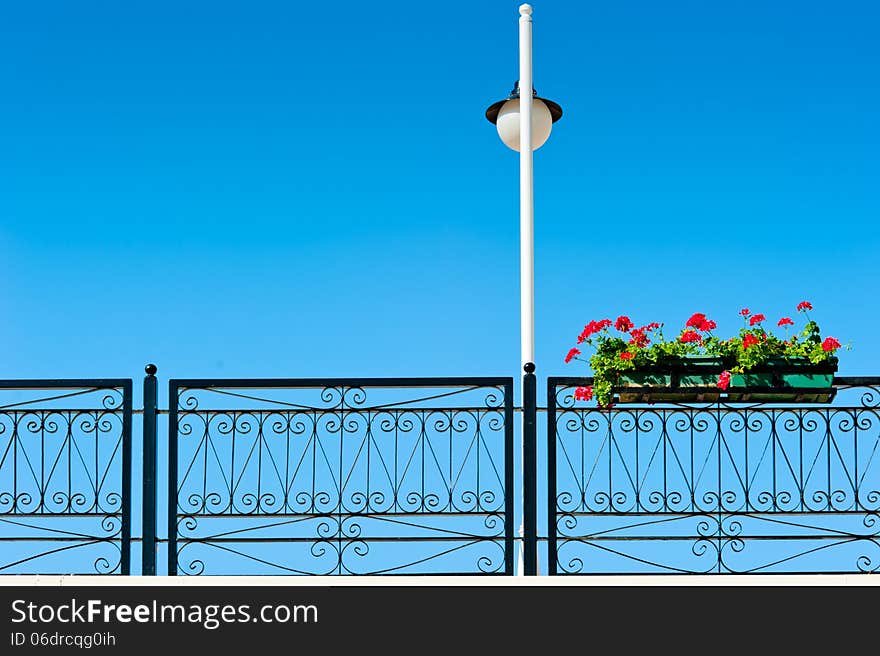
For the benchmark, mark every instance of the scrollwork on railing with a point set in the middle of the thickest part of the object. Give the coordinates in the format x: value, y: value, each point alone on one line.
x: 388, y: 476
x: 715, y: 488
x: 63, y: 487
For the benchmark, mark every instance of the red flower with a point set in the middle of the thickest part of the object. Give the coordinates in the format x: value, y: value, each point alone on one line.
x: 623, y: 324
x: 744, y: 312
x: 573, y: 352
x: 706, y: 326
x: 639, y: 338
x: 583, y: 393
x: 804, y: 305
x: 690, y: 336
x: 651, y: 326
x: 592, y: 328
x: 758, y: 318
x: 830, y: 344
x: 749, y: 340
x: 587, y: 332
x: 785, y: 321
x: 724, y: 380
x: 626, y: 355
x: 696, y: 320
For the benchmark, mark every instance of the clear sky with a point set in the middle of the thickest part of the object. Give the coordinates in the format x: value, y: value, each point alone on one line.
x: 311, y: 189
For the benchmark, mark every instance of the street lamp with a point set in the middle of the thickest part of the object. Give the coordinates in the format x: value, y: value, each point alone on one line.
x: 505, y: 115
x: 530, y: 123
x: 526, y: 123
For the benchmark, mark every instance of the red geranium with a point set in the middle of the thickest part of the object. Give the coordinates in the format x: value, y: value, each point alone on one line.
x: 640, y: 345
x: 830, y: 344
x: 592, y: 328
x: 696, y: 320
x: 689, y: 336
x: 639, y: 338
x: 583, y: 393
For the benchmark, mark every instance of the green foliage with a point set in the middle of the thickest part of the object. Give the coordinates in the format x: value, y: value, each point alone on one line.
x: 621, y: 347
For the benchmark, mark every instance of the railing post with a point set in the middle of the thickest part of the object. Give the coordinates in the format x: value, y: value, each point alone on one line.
x: 148, y: 563
x: 551, y: 477
x: 530, y: 471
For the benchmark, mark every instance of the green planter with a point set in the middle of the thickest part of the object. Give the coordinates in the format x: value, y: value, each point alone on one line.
x: 695, y: 379
x: 781, y: 380
x: 639, y: 387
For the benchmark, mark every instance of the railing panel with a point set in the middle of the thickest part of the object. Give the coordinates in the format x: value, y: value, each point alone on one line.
x: 65, y: 476
x: 714, y: 488
x: 355, y: 476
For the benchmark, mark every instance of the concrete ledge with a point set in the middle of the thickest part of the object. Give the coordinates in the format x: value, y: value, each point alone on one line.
x: 345, y: 581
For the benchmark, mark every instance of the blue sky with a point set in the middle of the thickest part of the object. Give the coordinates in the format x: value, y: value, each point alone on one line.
x: 283, y: 189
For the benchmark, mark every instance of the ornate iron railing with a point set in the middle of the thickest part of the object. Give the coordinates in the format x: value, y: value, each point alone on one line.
x: 714, y: 488
x: 403, y: 476
x: 341, y: 476
x: 65, y: 476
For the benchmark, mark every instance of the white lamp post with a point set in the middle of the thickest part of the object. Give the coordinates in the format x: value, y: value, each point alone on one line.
x: 525, y: 123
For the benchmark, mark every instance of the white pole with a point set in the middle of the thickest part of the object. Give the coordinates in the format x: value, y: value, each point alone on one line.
x: 526, y: 214
x: 526, y: 189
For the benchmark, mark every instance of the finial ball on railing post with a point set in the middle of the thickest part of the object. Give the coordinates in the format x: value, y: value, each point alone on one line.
x: 525, y: 10
x: 151, y: 369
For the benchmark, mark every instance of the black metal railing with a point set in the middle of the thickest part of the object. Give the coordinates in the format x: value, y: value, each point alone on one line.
x: 714, y: 488
x: 65, y: 476
x: 341, y: 476
x: 416, y: 476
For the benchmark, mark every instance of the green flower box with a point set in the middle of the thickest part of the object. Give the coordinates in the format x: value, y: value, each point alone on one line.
x: 781, y: 380
x: 695, y: 379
